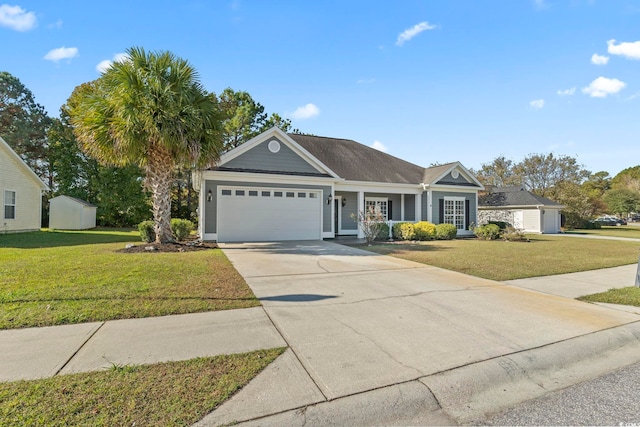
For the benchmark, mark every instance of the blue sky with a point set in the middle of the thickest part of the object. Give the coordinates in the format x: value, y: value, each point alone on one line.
x: 427, y: 81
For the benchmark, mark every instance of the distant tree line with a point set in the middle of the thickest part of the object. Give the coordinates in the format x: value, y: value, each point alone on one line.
x: 563, y: 180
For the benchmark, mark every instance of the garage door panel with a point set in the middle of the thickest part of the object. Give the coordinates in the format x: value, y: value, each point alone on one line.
x: 266, y: 218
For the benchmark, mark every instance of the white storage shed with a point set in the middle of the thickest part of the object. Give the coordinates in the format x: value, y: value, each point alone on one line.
x: 69, y: 213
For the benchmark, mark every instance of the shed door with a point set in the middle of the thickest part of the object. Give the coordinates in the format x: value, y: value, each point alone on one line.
x: 268, y: 214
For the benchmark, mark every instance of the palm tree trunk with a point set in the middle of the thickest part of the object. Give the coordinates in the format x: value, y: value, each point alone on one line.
x: 159, y: 171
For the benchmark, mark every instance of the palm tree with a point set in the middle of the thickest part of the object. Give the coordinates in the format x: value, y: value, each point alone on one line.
x: 151, y: 110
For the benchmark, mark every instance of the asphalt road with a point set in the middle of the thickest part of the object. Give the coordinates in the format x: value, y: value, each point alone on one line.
x: 612, y: 399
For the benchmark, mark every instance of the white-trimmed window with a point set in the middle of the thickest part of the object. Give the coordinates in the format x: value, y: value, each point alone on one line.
x: 378, y: 204
x: 454, y: 212
x: 9, y: 204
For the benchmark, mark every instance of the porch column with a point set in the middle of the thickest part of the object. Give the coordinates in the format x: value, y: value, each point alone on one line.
x: 418, y: 216
x: 402, y: 207
x: 360, y: 207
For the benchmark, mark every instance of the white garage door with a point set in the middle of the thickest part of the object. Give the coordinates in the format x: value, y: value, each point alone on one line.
x: 268, y: 214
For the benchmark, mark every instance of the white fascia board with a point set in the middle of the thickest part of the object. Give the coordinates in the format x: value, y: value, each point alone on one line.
x: 454, y: 188
x: 266, y: 135
x: 263, y: 177
x: 378, y: 187
x: 491, y: 208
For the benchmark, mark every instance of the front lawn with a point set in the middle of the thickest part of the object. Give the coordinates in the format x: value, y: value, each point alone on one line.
x: 625, y: 296
x: 172, y: 393
x: 497, y: 260
x: 632, y: 231
x: 54, y: 278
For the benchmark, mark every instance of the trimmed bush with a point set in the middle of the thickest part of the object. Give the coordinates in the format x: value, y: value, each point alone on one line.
x: 446, y: 231
x: 181, y: 228
x: 384, y: 232
x: 424, y: 230
x: 487, y: 232
x: 147, y: 231
x: 404, y: 231
x: 511, y: 234
x: 501, y: 224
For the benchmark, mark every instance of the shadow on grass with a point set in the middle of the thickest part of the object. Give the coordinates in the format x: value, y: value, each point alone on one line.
x: 52, y: 239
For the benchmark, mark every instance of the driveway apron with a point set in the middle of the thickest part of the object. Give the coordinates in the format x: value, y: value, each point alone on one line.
x: 359, y: 321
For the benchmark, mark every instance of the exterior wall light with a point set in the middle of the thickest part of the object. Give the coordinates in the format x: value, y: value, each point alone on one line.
x: 209, y: 196
x: 344, y: 202
x: 329, y: 199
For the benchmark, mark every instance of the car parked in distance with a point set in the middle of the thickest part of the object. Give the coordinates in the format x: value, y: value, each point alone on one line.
x: 635, y: 218
x: 610, y: 221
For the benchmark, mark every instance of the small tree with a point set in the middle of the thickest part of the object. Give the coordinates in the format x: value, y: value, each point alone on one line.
x: 371, y: 222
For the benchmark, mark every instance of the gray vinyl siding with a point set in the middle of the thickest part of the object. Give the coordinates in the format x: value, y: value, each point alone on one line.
x: 211, y: 211
x: 260, y: 158
x: 437, y: 195
x: 449, y: 180
x: 409, y: 207
x: 349, y: 211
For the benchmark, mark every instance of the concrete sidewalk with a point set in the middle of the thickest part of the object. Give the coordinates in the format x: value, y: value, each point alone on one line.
x: 34, y: 353
x: 379, y: 340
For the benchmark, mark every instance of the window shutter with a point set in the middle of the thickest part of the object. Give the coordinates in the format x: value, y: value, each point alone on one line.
x: 389, y: 210
x: 466, y: 213
x: 441, y: 209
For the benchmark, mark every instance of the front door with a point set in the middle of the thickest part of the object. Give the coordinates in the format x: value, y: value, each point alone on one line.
x: 337, y: 214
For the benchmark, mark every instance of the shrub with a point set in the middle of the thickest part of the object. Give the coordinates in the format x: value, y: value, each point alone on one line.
x: 147, y: 231
x: 383, y: 234
x: 511, y: 234
x: 446, y: 231
x: 487, y: 232
x: 501, y: 224
x: 181, y: 228
x: 406, y: 231
x: 371, y: 222
x: 424, y: 230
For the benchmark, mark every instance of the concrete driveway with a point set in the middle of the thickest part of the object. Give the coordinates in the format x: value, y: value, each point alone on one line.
x: 358, y: 321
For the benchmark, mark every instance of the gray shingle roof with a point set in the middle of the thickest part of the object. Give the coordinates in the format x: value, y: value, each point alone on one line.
x: 357, y: 162
x: 513, y: 196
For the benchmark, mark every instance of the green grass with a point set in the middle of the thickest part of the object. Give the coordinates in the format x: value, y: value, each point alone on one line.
x: 165, y: 394
x: 497, y: 260
x: 625, y: 296
x: 631, y: 231
x: 54, y: 278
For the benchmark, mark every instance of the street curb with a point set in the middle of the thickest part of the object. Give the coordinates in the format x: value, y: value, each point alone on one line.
x: 468, y: 394
x: 472, y: 392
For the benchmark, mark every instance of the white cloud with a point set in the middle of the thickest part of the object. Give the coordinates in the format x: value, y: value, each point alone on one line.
x: 537, y: 104
x: 56, y: 55
x: 567, y: 92
x: 306, y: 112
x: 602, y: 86
x: 104, y: 65
x: 630, y: 50
x: 410, y: 33
x: 379, y: 146
x: 599, y: 59
x: 16, y: 18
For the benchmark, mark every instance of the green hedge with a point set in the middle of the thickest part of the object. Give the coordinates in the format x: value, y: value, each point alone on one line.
x: 446, y: 231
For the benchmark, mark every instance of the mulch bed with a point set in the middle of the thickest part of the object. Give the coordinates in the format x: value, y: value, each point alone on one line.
x: 188, y: 246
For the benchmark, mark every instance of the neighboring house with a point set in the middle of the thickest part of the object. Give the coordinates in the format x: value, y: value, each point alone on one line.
x: 69, y: 213
x: 20, y: 193
x: 520, y: 208
x: 281, y: 186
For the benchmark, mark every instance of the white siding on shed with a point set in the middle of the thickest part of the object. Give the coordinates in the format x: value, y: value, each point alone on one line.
x: 67, y: 213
